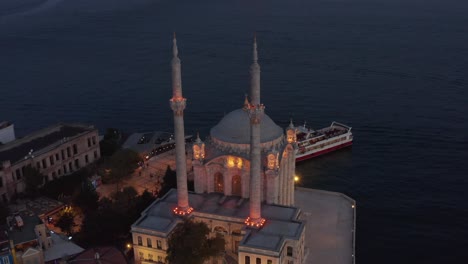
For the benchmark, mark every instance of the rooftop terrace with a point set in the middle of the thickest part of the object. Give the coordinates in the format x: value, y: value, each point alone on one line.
x: 281, y: 220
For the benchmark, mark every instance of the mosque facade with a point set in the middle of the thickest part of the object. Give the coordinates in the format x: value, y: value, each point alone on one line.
x: 243, y: 185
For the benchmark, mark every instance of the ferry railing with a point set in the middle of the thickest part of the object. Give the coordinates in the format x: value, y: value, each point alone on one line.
x: 341, y: 125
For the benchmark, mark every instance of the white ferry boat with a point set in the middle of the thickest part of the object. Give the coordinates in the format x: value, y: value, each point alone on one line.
x: 312, y: 143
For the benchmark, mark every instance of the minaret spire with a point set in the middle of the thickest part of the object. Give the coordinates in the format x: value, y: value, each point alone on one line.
x: 176, y: 71
x: 255, y: 76
x: 255, y: 111
x: 178, y: 105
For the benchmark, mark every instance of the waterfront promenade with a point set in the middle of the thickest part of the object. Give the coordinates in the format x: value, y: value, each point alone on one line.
x: 330, y: 225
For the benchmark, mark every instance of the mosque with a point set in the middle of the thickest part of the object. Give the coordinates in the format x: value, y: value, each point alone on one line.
x: 243, y: 185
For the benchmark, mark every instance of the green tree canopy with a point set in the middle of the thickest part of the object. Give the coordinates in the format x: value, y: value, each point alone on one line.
x: 86, y: 196
x: 169, y: 181
x: 189, y: 243
x: 111, y: 142
x: 113, y: 219
x: 121, y: 164
x: 33, y: 180
x: 66, y: 222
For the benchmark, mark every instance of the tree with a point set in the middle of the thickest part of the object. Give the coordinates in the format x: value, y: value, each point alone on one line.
x: 120, y: 165
x: 110, y: 144
x: 66, y: 222
x: 189, y: 243
x: 113, y: 218
x: 169, y: 181
x: 125, y: 199
x: 86, y: 197
x: 33, y: 179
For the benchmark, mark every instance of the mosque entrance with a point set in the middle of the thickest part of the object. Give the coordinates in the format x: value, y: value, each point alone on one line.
x: 218, y: 182
x: 236, y: 185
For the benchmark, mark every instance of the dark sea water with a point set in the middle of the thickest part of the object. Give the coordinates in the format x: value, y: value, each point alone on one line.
x: 396, y: 71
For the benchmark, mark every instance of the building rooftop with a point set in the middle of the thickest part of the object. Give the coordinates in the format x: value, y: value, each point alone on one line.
x: 4, y: 124
x: 61, y: 247
x: 18, y: 149
x: 281, y: 220
x: 25, y: 233
x: 329, y: 220
x: 107, y: 255
x: 39, y: 206
x: 235, y: 128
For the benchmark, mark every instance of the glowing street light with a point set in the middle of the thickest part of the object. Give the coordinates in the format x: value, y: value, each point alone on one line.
x: 128, y: 245
x: 296, y: 178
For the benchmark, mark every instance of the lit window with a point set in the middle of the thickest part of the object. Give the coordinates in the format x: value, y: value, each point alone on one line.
x: 150, y: 257
x: 140, y: 254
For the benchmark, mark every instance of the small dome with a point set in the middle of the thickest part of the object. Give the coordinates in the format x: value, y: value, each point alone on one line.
x: 235, y: 128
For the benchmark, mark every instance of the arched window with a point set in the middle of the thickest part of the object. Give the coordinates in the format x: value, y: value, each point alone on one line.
x: 236, y: 185
x: 258, y: 261
x: 218, y: 182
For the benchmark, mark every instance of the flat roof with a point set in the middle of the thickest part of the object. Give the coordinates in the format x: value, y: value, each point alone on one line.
x: 331, y: 225
x: 282, y: 222
x: 26, y: 232
x: 18, y: 149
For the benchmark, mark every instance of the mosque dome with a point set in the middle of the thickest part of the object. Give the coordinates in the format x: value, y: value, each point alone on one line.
x: 234, y: 128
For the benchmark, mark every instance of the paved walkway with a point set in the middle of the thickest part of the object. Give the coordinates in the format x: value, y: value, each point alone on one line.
x: 330, y: 218
x: 146, y: 178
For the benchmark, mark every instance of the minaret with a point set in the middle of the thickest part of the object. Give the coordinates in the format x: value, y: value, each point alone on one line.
x: 178, y: 105
x: 255, y: 113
